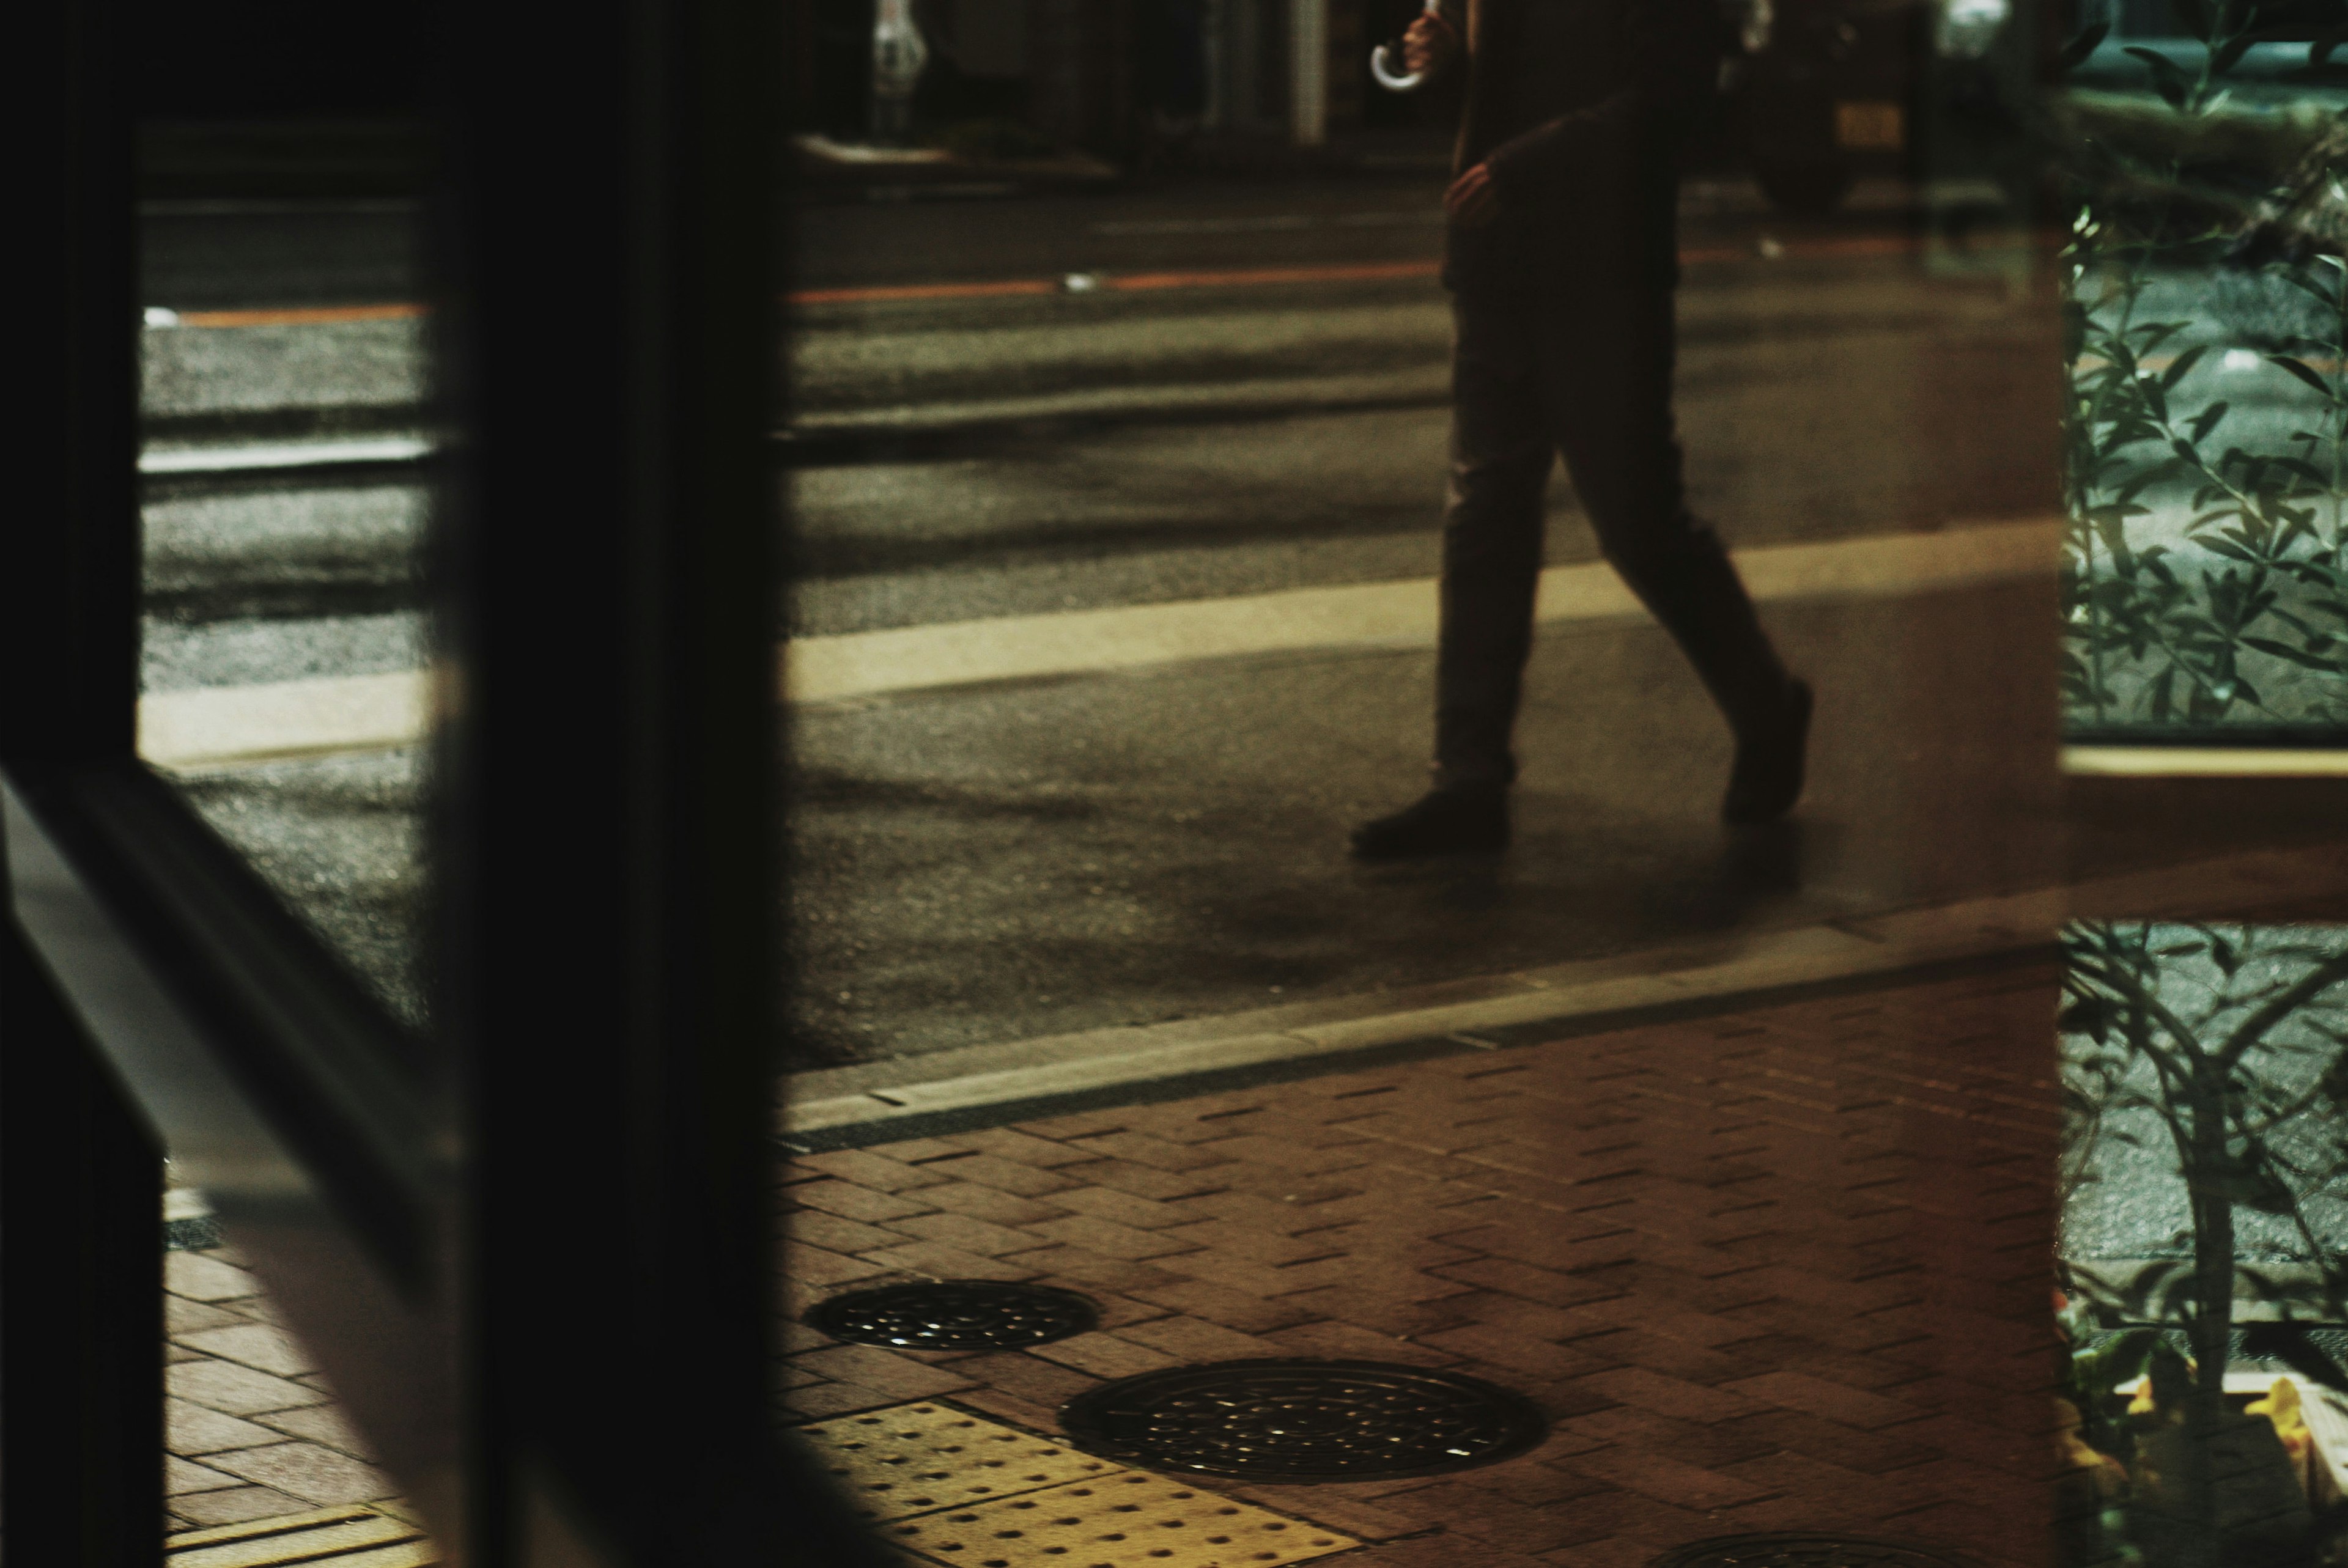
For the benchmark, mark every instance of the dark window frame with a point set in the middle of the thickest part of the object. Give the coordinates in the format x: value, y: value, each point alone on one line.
x: 598, y: 1118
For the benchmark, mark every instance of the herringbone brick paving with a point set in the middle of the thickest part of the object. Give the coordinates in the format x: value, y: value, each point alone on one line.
x: 1783, y: 1269
x: 251, y: 1429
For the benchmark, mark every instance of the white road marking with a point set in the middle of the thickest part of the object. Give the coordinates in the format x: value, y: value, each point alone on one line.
x: 214, y: 726
x: 1007, y: 648
x: 284, y: 454
x: 2205, y: 761
x: 232, y: 726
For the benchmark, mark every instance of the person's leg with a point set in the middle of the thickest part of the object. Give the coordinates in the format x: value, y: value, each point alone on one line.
x: 1501, y: 454
x: 1607, y: 360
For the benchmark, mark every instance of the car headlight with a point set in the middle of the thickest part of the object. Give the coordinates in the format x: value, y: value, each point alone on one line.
x: 1964, y: 29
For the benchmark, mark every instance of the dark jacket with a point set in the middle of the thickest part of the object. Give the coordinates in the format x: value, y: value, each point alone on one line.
x: 1577, y: 107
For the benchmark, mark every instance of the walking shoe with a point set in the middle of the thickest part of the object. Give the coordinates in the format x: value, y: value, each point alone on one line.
x: 1767, y: 778
x: 1441, y: 822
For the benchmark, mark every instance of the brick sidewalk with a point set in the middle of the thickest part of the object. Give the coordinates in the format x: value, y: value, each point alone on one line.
x: 1787, y: 1269
x: 250, y: 1431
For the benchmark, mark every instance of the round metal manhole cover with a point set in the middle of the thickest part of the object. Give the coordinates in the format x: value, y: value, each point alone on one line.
x: 1808, y: 1549
x: 957, y: 1315
x: 1302, y: 1420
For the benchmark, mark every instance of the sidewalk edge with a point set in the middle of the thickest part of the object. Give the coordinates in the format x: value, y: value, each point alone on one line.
x: 1137, y: 1065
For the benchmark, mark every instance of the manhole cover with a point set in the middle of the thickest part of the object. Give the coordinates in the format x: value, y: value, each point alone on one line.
x: 955, y: 1315
x: 1302, y: 1420
x: 1798, y: 1549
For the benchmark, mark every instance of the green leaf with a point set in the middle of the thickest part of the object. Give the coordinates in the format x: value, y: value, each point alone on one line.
x: 2206, y: 420
x: 2168, y: 78
x: 2285, y: 651
x: 2229, y: 55
x: 2302, y: 370
x: 2079, y: 48
x: 2180, y: 365
x: 2330, y: 298
x: 2091, y: 1016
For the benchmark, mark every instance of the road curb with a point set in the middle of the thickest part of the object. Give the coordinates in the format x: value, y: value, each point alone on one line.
x: 843, y: 1107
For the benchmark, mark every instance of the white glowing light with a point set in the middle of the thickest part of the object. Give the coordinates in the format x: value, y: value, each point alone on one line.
x: 1966, y: 29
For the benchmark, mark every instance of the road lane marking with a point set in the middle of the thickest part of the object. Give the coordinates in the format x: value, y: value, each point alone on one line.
x: 1244, y: 277
x: 1861, y: 245
x: 1064, y: 643
x: 923, y: 291
x: 284, y: 454
x: 295, y: 316
x: 2205, y: 761
x: 214, y: 726
x: 239, y: 725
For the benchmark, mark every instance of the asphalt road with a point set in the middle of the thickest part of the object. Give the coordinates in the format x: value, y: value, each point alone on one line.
x: 964, y: 457
x: 1011, y: 861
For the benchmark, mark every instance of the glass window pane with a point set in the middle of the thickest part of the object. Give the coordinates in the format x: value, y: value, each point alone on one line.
x: 1188, y: 448
x: 2201, y: 1226
x: 2205, y: 563
x: 285, y: 388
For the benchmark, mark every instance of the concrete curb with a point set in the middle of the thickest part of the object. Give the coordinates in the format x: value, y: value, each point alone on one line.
x: 987, y: 1085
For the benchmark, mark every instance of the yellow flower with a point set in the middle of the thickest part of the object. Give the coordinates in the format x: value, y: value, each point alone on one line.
x: 2282, y: 1407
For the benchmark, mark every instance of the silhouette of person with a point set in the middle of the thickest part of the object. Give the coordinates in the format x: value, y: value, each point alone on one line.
x: 1561, y: 256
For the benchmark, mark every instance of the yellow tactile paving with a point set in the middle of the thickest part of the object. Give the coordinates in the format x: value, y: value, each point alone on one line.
x: 333, y: 1537
x: 918, y: 1459
x: 1127, y: 1519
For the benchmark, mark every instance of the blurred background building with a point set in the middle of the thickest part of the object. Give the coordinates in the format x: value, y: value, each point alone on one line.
x: 1125, y: 79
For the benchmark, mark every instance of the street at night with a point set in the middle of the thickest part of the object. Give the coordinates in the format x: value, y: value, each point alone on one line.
x: 1423, y: 784
x: 1218, y: 410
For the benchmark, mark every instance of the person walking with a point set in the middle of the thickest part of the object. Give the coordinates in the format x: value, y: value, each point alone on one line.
x: 1561, y: 257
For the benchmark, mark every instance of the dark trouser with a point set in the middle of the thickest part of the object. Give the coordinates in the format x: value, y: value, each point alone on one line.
x: 1587, y: 375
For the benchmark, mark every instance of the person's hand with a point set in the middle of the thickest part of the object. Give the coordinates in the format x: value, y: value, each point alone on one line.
x: 1428, y: 44
x: 1473, y: 199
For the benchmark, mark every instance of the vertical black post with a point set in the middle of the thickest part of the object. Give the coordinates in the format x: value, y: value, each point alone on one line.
x: 81, y: 1369
x: 607, y: 855
x: 69, y: 594
x: 81, y: 1293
